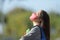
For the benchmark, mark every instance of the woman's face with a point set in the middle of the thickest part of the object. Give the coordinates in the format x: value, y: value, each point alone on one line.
x: 33, y: 17
x: 39, y: 19
x: 38, y: 13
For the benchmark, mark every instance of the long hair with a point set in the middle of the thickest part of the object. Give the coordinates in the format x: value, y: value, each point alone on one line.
x: 46, y: 23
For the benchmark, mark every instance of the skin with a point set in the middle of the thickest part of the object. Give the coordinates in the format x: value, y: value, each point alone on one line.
x: 36, y: 22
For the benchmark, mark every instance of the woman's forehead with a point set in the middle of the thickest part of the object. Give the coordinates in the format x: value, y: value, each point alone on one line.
x: 38, y: 12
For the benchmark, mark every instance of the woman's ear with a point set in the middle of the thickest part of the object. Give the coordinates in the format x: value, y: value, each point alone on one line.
x: 41, y: 22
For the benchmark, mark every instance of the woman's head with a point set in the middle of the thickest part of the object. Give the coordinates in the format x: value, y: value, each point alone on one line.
x: 46, y: 22
x: 42, y: 17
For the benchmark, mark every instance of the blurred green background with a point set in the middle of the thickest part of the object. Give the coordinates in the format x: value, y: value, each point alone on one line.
x: 17, y: 21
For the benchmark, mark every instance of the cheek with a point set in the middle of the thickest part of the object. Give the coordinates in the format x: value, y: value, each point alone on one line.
x: 33, y: 17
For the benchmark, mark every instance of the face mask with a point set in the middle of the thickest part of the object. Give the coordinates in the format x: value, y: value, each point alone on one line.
x: 33, y: 17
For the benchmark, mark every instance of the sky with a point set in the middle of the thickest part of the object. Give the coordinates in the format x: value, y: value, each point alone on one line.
x: 34, y: 5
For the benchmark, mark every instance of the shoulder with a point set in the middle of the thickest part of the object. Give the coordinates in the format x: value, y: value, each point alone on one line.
x: 35, y: 29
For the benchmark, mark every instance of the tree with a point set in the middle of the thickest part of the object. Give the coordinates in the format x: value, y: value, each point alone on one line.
x: 17, y: 22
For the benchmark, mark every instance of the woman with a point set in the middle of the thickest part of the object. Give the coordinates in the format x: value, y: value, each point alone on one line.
x: 39, y: 19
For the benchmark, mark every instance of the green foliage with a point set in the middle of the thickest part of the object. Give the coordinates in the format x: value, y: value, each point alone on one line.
x: 55, y: 24
x: 0, y: 16
x: 17, y: 22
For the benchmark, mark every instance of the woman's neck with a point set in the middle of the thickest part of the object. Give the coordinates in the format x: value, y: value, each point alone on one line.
x: 35, y: 23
